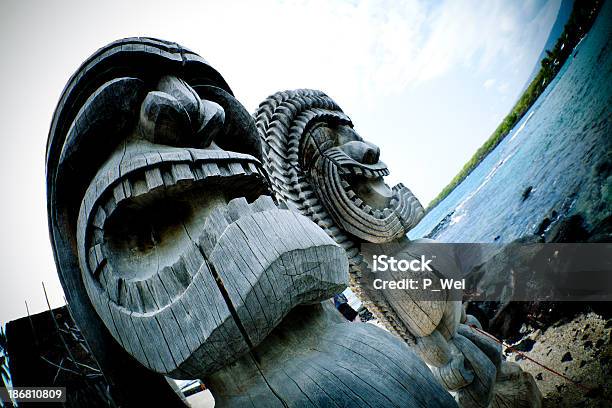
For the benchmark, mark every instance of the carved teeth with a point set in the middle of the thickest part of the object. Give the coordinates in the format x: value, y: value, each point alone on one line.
x: 97, y: 236
x: 167, y: 177
x: 362, y: 171
x: 154, y: 178
x: 170, y: 278
x: 387, y: 212
x: 105, y: 275
x: 99, y: 218
x: 133, y: 299
x: 139, y: 187
x: 345, y: 184
x: 183, y: 270
x: 143, y: 182
x: 181, y: 171
x: 249, y: 168
x: 225, y: 171
x: 143, y: 293
x: 316, y: 208
x: 122, y: 292
x: 211, y: 169
x: 113, y: 286
x: 110, y: 205
x: 92, y: 260
x: 325, y: 223
x: 343, y: 171
x: 236, y: 169
x: 171, y: 281
x: 310, y: 201
x: 118, y: 192
x: 95, y: 259
x: 307, y: 195
x: 127, y: 189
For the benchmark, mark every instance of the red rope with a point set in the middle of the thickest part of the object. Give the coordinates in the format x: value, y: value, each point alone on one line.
x: 576, y: 383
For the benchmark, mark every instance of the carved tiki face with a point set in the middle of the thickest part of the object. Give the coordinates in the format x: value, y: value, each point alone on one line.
x: 322, y: 154
x: 176, y: 249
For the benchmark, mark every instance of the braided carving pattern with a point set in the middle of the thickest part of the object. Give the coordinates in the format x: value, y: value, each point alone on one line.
x: 282, y: 120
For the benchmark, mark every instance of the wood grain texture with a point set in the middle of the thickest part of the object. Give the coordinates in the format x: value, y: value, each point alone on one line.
x: 67, y: 178
x: 315, y: 358
x: 295, y: 127
x: 176, y: 261
x: 319, y: 165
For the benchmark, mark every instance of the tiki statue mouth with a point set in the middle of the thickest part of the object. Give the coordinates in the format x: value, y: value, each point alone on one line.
x: 149, y: 201
x: 143, y: 222
x: 363, y: 183
x: 348, y: 177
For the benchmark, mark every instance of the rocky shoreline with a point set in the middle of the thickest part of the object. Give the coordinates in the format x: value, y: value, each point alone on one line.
x: 580, y: 348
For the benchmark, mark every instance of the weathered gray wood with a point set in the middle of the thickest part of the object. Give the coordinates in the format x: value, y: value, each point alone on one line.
x: 179, y: 262
x: 316, y: 358
x: 308, y: 120
x: 319, y: 165
x: 515, y: 388
x: 95, y: 135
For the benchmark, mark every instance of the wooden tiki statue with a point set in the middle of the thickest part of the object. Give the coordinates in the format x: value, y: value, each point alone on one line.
x: 177, y: 262
x: 324, y: 169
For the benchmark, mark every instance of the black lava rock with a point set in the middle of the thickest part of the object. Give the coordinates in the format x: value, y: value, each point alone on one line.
x: 566, y: 357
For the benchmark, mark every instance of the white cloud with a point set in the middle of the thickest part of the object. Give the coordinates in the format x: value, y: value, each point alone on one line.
x: 503, y: 87
x: 489, y: 83
x: 356, y: 48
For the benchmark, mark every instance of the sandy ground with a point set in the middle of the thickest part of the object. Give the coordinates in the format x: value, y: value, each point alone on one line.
x: 588, y: 340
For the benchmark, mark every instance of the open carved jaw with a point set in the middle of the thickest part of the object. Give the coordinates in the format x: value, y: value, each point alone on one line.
x: 358, y: 198
x: 145, y: 207
x: 168, y: 263
x: 363, y: 183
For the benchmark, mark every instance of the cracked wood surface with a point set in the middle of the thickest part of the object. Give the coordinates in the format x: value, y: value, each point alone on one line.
x: 315, y: 358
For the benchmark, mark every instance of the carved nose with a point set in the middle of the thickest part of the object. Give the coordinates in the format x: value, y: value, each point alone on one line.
x: 363, y: 152
x: 371, y: 153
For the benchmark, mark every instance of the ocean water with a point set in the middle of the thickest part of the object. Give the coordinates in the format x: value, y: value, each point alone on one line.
x: 554, y: 153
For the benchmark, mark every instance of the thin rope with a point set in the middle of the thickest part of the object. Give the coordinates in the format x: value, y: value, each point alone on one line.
x: 576, y: 383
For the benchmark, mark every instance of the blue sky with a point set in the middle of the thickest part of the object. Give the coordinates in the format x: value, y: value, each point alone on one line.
x: 426, y: 81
